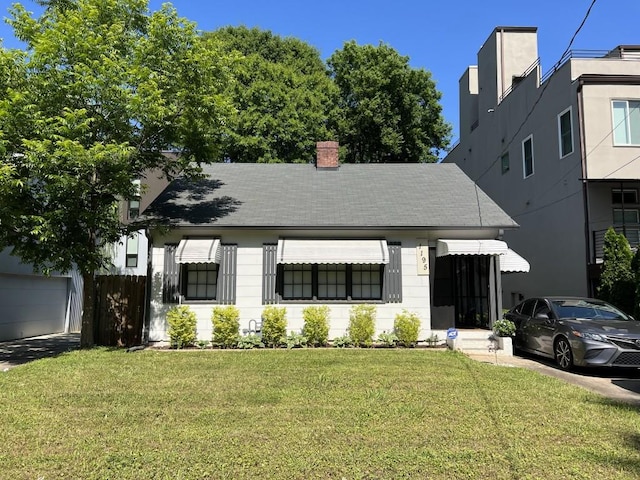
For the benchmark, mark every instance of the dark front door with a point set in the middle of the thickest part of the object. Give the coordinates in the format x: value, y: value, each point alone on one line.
x: 463, y: 282
x: 471, y: 290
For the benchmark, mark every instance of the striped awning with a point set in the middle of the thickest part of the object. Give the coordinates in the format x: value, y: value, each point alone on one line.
x: 471, y: 247
x: 512, y: 262
x: 333, y: 251
x: 198, y: 250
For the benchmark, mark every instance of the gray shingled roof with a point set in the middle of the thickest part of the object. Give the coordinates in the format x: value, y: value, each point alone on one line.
x: 357, y: 196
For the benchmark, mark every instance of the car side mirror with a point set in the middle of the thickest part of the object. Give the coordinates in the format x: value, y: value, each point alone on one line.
x: 542, y: 316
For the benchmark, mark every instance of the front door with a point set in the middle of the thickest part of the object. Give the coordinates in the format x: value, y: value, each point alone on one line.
x: 463, y: 282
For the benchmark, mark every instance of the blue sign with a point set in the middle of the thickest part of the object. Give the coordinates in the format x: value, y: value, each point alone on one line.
x: 452, y: 333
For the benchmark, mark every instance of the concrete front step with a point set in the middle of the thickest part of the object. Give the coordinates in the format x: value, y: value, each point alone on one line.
x: 481, y: 341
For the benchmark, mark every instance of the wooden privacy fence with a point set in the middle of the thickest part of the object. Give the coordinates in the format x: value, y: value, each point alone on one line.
x: 120, y: 309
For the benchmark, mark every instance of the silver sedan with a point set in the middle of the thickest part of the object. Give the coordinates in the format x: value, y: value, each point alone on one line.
x: 576, y: 331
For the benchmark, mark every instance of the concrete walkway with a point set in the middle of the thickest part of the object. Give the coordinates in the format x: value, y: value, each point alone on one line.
x: 18, y: 352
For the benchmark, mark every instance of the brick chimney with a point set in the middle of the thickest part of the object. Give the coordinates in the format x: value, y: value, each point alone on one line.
x: 327, y: 155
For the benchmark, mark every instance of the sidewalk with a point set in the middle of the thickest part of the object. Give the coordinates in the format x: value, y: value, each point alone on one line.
x: 18, y: 352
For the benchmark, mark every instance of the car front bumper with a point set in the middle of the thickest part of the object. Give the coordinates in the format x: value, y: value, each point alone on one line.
x: 589, y: 353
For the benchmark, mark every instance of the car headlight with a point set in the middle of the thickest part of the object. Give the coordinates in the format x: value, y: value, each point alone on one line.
x: 589, y: 336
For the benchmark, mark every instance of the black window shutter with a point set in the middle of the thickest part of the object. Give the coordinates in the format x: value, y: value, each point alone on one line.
x: 227, y: 275
x: 171, y: 276
x: 393, y: 274
x: 269, y: 273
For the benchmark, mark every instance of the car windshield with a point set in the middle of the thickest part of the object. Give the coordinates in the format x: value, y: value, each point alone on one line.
x: 586, y: 309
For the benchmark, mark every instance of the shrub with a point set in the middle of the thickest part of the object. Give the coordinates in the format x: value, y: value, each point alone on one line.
x: 433, y: 340
x: 406, y: 326
x: 388, y: 339
x: 316, y: 325
x: 247, y: 342
x: 226, y: 323
x: 274, y: 325
x: 362, y: 322
x: 342, y: 342
x: 504, y: 328
x: 295, y: 340
x: 182, y: 326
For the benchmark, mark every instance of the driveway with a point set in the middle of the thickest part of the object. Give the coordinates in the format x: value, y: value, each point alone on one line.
x: 18, y: 352
x: 615, y: 383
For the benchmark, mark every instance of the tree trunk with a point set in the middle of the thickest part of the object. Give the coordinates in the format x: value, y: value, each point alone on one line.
x: 87, y: 338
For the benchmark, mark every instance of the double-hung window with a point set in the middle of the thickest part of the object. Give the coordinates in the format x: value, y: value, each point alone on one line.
x: 565, y: 133
x: 527, y: 156
x: 132, y: 250
x: 626, y: 122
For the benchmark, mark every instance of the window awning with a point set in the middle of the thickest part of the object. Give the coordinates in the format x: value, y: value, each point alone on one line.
x: 333, y: 251
x: 471, y: 247
x: 512, y: 262
x: 198, y: 250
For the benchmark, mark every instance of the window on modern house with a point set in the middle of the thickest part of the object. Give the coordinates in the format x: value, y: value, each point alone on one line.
x: 624, y: 196
x: 134, y: 203
x: 565, y: 133
x: 505, y: 162
x: 132, y: 250
x: 200, y: 281
x: 626, y: 122
x: 527, y: 156
x: 332, y: 282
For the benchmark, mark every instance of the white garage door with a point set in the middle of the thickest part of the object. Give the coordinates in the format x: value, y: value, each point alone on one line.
x: 31, y: 305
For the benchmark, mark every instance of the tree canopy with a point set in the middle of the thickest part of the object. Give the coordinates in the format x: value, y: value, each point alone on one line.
x: 282, y: 96
x: 102, y: 89
x: 389, y: 112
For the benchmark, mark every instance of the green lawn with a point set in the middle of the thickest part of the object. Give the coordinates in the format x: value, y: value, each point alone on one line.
x: 325, y: 413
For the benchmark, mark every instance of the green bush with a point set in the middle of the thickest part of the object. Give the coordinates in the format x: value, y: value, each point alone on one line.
x: 226, y: 323
x: 388, y: 339
x: 504, y: 328
x: 274, y: 325
x: 362, y: 324
x: 247, y: 342
x: 316, y: 325
x: 407, y: 326
x: 342, y: 342
x: 182, y: 326
x: 295, y: 340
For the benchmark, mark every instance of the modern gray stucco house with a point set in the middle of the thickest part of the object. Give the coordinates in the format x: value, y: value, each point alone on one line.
x: 421, y: 237
x: 558, y: 151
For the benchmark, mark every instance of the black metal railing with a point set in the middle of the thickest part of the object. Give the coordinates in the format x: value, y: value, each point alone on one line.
x: 631, y: 231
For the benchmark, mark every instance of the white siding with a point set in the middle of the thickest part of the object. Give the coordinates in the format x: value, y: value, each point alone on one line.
x: 416, y: 296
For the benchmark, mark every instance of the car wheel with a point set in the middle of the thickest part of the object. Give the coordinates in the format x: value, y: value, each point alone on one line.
x: 562, y: 353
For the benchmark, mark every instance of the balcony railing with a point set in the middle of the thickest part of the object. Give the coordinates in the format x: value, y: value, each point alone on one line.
x: 631, y: 231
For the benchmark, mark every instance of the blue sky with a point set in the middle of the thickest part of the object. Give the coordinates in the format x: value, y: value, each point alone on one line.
x: 440, y: 36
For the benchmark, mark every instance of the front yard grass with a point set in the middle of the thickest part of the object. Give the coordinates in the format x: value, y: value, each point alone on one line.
x: 302, y: 414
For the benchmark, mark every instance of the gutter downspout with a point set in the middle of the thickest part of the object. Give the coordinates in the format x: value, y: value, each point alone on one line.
x: 585, y: 185
x: 501, y: 62
x: 146, y: 325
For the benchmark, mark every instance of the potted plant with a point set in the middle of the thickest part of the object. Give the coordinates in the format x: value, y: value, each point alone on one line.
x: 503, y: 331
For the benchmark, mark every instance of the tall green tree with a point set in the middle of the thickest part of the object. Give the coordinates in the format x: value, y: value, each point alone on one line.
x: 283, y: 97
x: 617, y: 282
x: 389, y: 111
x: 102, y: 88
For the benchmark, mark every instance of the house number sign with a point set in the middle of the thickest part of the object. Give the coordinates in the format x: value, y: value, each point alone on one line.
x: 423, y: 259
